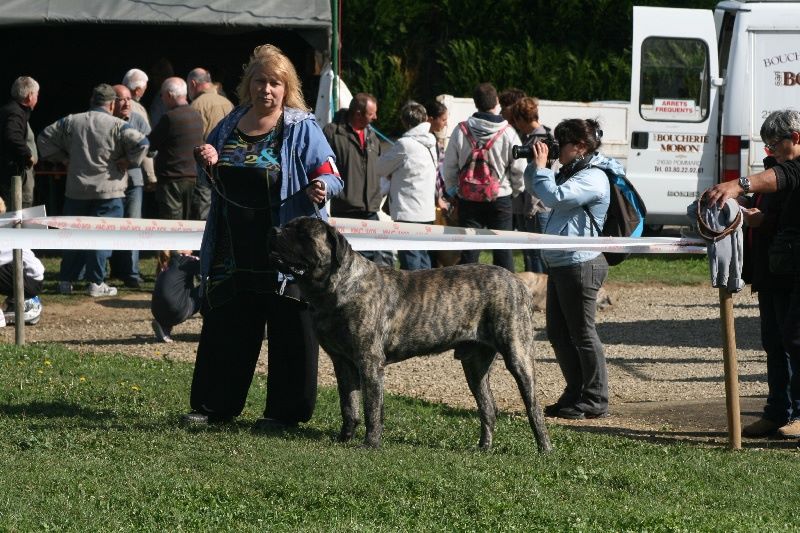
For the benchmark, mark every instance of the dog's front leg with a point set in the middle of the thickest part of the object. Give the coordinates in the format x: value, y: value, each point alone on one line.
x: 372, y: 379
x: 349, y: 385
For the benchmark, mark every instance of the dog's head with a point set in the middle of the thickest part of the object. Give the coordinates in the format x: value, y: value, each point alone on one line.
x: 308, y: 249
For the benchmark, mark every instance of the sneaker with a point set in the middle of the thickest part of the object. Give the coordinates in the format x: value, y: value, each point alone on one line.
x: 64, y: 287
x: 790, y: 430
x: 162, y: 333
x: 94, y: 290
x: 761, y: 428
x: 32, y: 311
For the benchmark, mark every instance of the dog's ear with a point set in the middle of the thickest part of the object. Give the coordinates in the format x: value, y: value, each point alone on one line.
x: 338, y: 245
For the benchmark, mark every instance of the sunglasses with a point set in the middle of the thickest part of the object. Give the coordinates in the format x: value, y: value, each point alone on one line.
x: 770, y: 147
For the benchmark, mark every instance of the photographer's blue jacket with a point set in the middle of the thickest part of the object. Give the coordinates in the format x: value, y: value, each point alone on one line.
x: 588, y: 187
x: 305, y: 156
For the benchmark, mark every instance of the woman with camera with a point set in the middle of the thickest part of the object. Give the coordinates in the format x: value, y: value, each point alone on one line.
x: 530, y: 213
x: 576, y: 195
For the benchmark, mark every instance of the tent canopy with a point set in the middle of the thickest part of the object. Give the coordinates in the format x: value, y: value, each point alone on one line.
x: 311, y: 18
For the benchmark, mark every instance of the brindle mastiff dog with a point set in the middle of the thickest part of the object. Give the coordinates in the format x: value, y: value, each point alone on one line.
x: 367, y: 316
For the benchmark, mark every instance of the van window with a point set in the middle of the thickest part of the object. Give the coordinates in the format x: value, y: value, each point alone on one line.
x: 674, y: 84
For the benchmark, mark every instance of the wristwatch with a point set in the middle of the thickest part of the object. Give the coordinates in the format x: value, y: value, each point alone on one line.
x: 744, y: 183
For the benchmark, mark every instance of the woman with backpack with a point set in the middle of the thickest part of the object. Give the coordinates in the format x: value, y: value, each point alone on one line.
x: 577, y: 194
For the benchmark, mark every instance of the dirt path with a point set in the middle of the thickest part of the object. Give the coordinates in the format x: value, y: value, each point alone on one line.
x: 662, y: 345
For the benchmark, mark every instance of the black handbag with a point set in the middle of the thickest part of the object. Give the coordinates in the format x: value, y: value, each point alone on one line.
x: 784, y: 252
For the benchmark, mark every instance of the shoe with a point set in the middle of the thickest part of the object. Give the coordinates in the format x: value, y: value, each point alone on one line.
x: 198, y: 419
x: 194, y: 419
x: 761, y: 428
x: 94, y: 290
x: 133, y: 282
x: 551, y: 410
x: 573, y: 413
x: 32, y: 311
x: 790, y: 430
x: 64, y: 287
x: 273, y: 424
x: 162, y: 334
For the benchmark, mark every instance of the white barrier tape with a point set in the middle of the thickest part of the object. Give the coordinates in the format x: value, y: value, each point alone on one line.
x: 98, y: 233
x: 68, y: 239
x: 120, y: 224
x: 11, y: 218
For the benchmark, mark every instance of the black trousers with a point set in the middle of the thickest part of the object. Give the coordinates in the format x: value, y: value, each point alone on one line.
x: 491, y: 215
x: 31, y: 287
x: 230, y: 342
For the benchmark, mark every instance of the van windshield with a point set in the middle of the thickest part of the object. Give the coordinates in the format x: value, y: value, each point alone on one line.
x: 675, y: 80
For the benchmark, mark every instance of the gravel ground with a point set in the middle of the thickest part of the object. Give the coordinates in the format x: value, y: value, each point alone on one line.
x: 662, y: 343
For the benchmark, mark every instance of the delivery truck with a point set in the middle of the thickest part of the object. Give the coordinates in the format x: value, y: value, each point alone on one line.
x: 702, y: 83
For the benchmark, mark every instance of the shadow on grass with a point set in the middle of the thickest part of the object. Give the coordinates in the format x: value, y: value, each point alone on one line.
x: 54, y: 410
x: 716, y: 439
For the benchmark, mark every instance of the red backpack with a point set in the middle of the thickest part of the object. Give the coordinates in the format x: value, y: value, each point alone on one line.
x: 477, y: 180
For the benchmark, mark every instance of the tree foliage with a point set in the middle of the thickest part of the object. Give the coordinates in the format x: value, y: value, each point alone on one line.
x: 556, y: 50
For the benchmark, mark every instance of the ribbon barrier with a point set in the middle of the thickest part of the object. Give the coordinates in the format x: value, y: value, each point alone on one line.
x: 97, y: 233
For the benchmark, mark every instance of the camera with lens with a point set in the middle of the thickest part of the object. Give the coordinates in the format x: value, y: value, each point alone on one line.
x: 526, y: 150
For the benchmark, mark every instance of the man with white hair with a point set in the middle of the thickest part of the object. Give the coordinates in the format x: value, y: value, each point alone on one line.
x: 212, y: 106
x: 136, y: 82
x: 178, y: 131
x: 16, y: 156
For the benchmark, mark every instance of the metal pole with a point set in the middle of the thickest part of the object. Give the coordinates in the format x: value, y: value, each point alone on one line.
x: 731, y: 369
x: 335, y: 57
x: 19, y: 291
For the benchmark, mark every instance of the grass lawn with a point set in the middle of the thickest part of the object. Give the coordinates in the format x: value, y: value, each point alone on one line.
x: 90, y: 443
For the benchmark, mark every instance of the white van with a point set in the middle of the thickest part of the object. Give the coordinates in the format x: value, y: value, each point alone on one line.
x: 702, y: 83
x: 612, y: 116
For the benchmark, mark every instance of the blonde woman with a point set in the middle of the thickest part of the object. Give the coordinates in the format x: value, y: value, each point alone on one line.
x: 269, y: 163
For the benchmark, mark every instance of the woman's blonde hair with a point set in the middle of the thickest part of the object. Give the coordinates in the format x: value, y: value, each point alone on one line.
x: 272, y: 58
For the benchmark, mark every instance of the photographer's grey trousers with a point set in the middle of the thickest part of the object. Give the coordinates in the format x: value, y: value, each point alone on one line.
x: 571, y: 306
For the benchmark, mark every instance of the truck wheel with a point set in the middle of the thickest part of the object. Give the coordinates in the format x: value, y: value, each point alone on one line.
x: 653, y: 230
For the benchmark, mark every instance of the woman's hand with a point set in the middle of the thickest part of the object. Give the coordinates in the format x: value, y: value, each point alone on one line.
x: 317, y: 191
x: 206, y: 155
x: 540, y: 151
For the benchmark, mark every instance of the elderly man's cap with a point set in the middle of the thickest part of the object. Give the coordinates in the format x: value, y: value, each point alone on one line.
x: 103, y: 93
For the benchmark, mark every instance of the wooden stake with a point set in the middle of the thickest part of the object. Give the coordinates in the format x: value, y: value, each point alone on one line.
x: 731, y: 369
x: 19, y: 293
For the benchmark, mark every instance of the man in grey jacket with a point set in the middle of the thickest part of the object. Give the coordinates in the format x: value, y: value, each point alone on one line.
x: 97, y: 148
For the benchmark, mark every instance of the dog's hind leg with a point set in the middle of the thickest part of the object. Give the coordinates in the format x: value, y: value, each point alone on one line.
x: 476, y: 361
x: 519, y: 361
x: 349, y: 385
